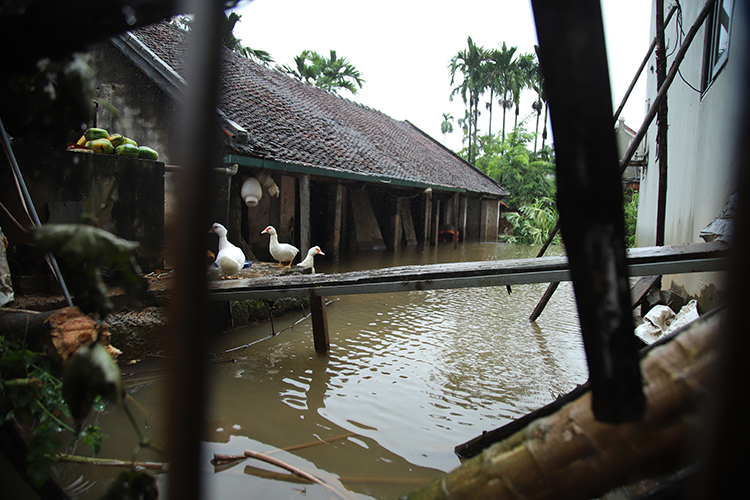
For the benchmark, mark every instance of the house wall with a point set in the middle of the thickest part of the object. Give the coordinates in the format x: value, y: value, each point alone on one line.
x: 143, y: 111
x: 702, y: 137
x: 123, y: 195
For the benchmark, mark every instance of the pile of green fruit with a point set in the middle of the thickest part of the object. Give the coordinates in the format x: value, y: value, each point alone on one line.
x: 100, y: 141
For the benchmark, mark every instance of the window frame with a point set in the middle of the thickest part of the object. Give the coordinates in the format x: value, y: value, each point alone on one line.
x: 718, y: 36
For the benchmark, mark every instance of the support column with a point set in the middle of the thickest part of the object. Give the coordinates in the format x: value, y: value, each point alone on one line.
x: 435, y: 223
x: 304, y: 214
x: 427, y: 216
x: 456, y: 225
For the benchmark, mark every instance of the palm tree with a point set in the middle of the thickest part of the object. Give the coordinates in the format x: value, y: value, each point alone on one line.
x: 469, y: 63
x: 446, y: 127
x: 328, y: 74
x: 504, y: 77
x: 526, y: 68
x: 339, y: 73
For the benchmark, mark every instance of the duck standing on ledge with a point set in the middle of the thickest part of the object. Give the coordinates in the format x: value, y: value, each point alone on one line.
x: 282, y: 252
x: 308, y: 262
x: 230, y: 258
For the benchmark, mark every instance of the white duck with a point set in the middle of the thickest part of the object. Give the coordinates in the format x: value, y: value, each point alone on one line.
x: 230, y: 258
x: 282, y: 252
x: 308, y: 262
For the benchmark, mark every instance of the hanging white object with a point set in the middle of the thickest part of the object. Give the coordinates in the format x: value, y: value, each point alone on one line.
x: 251, y: 191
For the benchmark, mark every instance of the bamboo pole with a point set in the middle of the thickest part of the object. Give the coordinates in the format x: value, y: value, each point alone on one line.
x: 571, y: 455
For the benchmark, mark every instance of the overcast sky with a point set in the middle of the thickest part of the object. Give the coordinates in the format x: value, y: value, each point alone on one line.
x: 403, y: 48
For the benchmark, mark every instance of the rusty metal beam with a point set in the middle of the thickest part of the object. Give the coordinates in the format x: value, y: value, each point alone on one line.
x: 573, y: 59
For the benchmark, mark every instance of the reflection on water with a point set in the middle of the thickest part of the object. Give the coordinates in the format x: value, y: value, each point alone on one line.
x: 410, y: 375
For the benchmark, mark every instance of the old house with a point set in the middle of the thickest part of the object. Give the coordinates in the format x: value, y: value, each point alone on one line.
x: 704, y: 115
x: 335, y: 173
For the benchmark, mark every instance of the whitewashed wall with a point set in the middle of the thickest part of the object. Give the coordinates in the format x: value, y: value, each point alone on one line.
x: 703, y: 132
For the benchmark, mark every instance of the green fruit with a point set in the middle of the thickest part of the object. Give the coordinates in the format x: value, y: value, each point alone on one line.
x: 127, y: 150
x: 92, y: 134
x: 101, y: 146
x: 128, y: 140
x: 147, y: 153
x: 115, y: 139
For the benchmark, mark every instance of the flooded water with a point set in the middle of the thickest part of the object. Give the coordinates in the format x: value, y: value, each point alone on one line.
x: 409, y: 376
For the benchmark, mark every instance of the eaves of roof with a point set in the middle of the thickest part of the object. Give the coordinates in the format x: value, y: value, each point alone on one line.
x: 287, y: 125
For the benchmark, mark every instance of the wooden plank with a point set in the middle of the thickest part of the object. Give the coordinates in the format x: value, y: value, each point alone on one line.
x: 366, y: 225
x: 675, y: 260
x: 407, y: 222
x: 642, y: 287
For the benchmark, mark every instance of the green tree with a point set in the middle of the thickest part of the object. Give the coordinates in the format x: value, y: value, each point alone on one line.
x: 532, y: 223
x: 469, y: 63
x: 503, y: 76
x: 525, y: 175
x: 446, y: 127
x: 631, y: 218
x: 330, y: 74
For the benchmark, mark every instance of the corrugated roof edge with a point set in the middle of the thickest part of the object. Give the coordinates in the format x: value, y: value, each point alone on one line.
x: 505, y: 192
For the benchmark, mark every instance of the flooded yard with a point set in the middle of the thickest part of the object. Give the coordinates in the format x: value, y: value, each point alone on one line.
x: 410, y: 375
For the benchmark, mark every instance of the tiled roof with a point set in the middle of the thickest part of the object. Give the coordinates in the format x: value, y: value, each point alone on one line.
x: 297, y: 123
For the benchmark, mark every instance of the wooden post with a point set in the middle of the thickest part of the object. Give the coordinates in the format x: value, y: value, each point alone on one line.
x: 304, y: 214
x: 463, y: 217
x: 435, y: 223
x: 456, y: 225
x: 396, y: 228
x: 427, y: 216
x: 338, y: 212
x: 320, y: 324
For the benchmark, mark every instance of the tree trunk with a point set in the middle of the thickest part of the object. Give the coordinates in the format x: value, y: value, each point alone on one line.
x: 571, y: 455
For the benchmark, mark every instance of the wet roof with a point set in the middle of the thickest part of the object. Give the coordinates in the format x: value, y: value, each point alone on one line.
x: 291, y: 122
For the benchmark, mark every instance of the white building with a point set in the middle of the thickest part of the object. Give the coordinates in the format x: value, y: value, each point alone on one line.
x: 705, y: 104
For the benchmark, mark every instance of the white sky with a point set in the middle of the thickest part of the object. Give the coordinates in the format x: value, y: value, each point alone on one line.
x: 403, y: 48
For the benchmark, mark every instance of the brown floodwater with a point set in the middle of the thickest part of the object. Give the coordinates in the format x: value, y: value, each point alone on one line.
x: 410, y: 376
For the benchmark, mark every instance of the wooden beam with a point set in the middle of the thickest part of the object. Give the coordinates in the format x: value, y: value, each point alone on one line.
x: 641, y: 262
x: 320, y: 324
x: 572, y: 54
x: 366, y: 225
